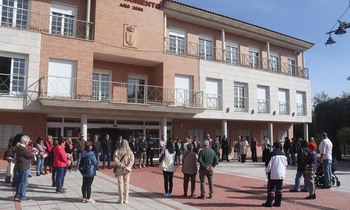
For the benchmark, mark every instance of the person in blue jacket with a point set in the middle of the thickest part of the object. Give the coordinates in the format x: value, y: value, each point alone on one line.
x: 88, y: 177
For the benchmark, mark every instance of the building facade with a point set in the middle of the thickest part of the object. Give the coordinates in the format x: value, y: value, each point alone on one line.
x: 131, y: 67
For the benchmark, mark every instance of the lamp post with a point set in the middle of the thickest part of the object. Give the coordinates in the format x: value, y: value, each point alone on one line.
x: 343, y: 26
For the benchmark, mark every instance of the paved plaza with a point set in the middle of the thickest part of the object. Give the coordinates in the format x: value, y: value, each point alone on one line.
x: 237, y: 186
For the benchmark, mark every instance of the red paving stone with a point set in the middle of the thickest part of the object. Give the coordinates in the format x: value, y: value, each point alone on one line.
x: 233, y: 191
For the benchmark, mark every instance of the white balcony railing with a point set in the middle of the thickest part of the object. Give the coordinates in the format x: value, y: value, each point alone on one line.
x: 214, y: 102
x: 12, y: 85
x: 241, y: 104
x: 263, y: 106
x: 283, y: 108
x: 301, y: 109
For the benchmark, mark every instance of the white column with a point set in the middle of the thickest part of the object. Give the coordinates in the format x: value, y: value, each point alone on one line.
x: 164, y: 128
x: 268, y: 54
x: 270, y: 132
x: 83, y: 122
x: 224, y: 127
x: 223, y: 44
x: 306, y: 131
x: 165, y: 34
x: 88, y: 9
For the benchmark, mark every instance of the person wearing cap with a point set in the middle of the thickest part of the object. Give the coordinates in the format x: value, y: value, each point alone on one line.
x: 276, y: 170
x: 207, y: 159
x: 311, y: 166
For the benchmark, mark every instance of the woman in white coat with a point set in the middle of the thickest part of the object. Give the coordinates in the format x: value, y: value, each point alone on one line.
x: 167, y: 162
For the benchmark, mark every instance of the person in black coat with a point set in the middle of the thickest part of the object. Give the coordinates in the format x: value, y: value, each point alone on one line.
x: 97, y: 149
x: 106, y: 150
x: 150, y: 150
x: 224, y: 147
x: 134, y: 148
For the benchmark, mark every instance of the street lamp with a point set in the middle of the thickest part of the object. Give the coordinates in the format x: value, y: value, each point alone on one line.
x: 339, y: 31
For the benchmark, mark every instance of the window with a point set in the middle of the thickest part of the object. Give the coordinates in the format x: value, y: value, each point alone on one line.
x: 136, y: 89
x: 183, y: 87
x: 232, y: 53
x: 283, y: 96
x: 212, y: 89
x: 61, y: 79
x: 292, y: 68
x: 254, y: 58
x: 263, y: 99
x: 240, y: 97
x: 62, y: 20
x: 301, y: 103
x: 12, y: 75
x: 274, y: 63
x: 101, y: 86
x: 206, y: 48
x: 14, y: 13
x: 177, y: 42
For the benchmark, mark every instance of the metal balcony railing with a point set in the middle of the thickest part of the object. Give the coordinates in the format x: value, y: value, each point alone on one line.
x: 283, y: 107
x: 117, y: 92
x: 263, y: 106
x: 241, y: 104
x: 301, y: 109
x: 214, y: 102
x: 210, y: 53
x: 57, y: 24
x: 13, y: 85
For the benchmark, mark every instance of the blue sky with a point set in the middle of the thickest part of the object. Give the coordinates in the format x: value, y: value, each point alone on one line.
x: 308, y: 20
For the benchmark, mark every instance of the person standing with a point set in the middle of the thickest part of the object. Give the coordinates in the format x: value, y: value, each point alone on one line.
x: 22, y: 167
x: 97, y: 149
x: 124, y: 160
x: 190, y: 169
x: 142, y: 150
x: 311, y: 166
x: 106, y: 152
x: 88, y: 177
x: 207, y: 161
x: 117, y: 143
x: 253, y: 148
x: 162, y: 144
x: 276, y: 168
x: 60, y: 164
x: 293, y: 151
x: 286, y: 148
x: 302, y: 153
x: 79, y: 145
x: 47, y: 163
x: 224, y: 148
x: 326, y: 147
x: 41, y: 156
x: 150, y: 150
x: 216, y: 147
x: 266, y: 149
x: 134, y: 148
x: 167, y: 160
x: 243, y: 149
x: 69, y: 148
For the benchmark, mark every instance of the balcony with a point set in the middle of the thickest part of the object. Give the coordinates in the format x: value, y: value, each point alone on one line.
x: 241, y: 104
x: 23, y: 19
x: 263, y: 106
x: 77, y: 89
x: 283, y: 108
x: 301, y: 109
x: 209, y: 53
x: 214, y: 102
x: 12, y: 85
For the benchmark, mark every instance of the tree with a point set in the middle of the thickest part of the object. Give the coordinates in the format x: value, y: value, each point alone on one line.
x: 345, y: 94
x: 319, y: 98
x: 343, y: 135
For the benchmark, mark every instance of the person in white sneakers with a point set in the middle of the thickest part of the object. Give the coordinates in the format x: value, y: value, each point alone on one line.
x: 167, y: 162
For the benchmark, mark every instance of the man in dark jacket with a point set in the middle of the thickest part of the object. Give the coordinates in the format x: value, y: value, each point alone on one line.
x: 302, y: 152
x: 150, y: 150
x: 79, y: 145
x: 22, y: 167
x: 106, y: 151
x: 97, y: 149
x: 134, y: 148
x: 207, y: 161
x: 142, y: 150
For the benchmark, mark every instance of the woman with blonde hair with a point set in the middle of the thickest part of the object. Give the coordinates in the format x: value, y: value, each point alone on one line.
x: 124, y: 160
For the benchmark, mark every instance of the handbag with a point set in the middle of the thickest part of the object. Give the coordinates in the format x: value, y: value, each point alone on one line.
x: 116, y: 166
x: 162, y: 164
x: 309, y: 169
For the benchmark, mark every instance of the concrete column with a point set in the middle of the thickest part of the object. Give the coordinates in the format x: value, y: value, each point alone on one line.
x: 83, y: 122
x: 164, y: 128
x: 224, y: 127
x: 165, y: 34
x: 306, y: 131
x: 270, y: 132
x: 223, y: 44
x: 88, y: 12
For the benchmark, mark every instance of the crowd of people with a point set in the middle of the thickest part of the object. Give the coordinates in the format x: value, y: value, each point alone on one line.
x: 195, y: 156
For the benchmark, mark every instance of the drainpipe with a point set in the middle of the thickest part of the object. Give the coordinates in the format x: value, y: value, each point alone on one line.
x: 87, y: 33
x: 223, y: 44
x: 268, y: 54
x: 165, y: 34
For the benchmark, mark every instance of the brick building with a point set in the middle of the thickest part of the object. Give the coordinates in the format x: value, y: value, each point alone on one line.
x: 126, y: 67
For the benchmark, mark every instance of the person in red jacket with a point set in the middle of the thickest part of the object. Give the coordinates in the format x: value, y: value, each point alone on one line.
x: 48, y: 144
x: 60, y: 163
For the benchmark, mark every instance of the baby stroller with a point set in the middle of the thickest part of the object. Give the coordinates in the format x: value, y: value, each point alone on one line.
x: 319, y: 176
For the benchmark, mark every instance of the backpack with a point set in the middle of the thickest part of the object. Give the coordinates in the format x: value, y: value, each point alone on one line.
x: 85, y: 165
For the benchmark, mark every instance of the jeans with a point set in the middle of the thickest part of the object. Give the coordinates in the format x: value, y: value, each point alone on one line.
x: 168, y: 181
x: 209, y: 175
x: 297, y: 181
x: 293, y: 159
x: 61, y: 172
x: 21, y: 184
x: 53, y: 176
x: 97, y: 155
x: 327, y: 171
x: 274, y: 192
x: 40, y: 165
x: 108, y: 157
x: 86, y: 187
x: 78, y: 160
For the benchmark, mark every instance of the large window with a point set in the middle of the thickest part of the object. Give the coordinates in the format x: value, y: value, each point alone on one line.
x: 62, y: 76
x: 292, y: 68
x: 14, y: 13
x: 254, y: 58
x: 213, y: 90
x: 301, y: 103
x: 283, y: 96
x: 12, y: 75
x: 183, y: 87
x: 232, y: 53
x: 177, y: 41
x: 206, y: 48
x: 62, y: 20
x: 240, y: 97
x: 136, y: 89
x: 101, y: 86
x: 263, y: 99
x: 274, y: 63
